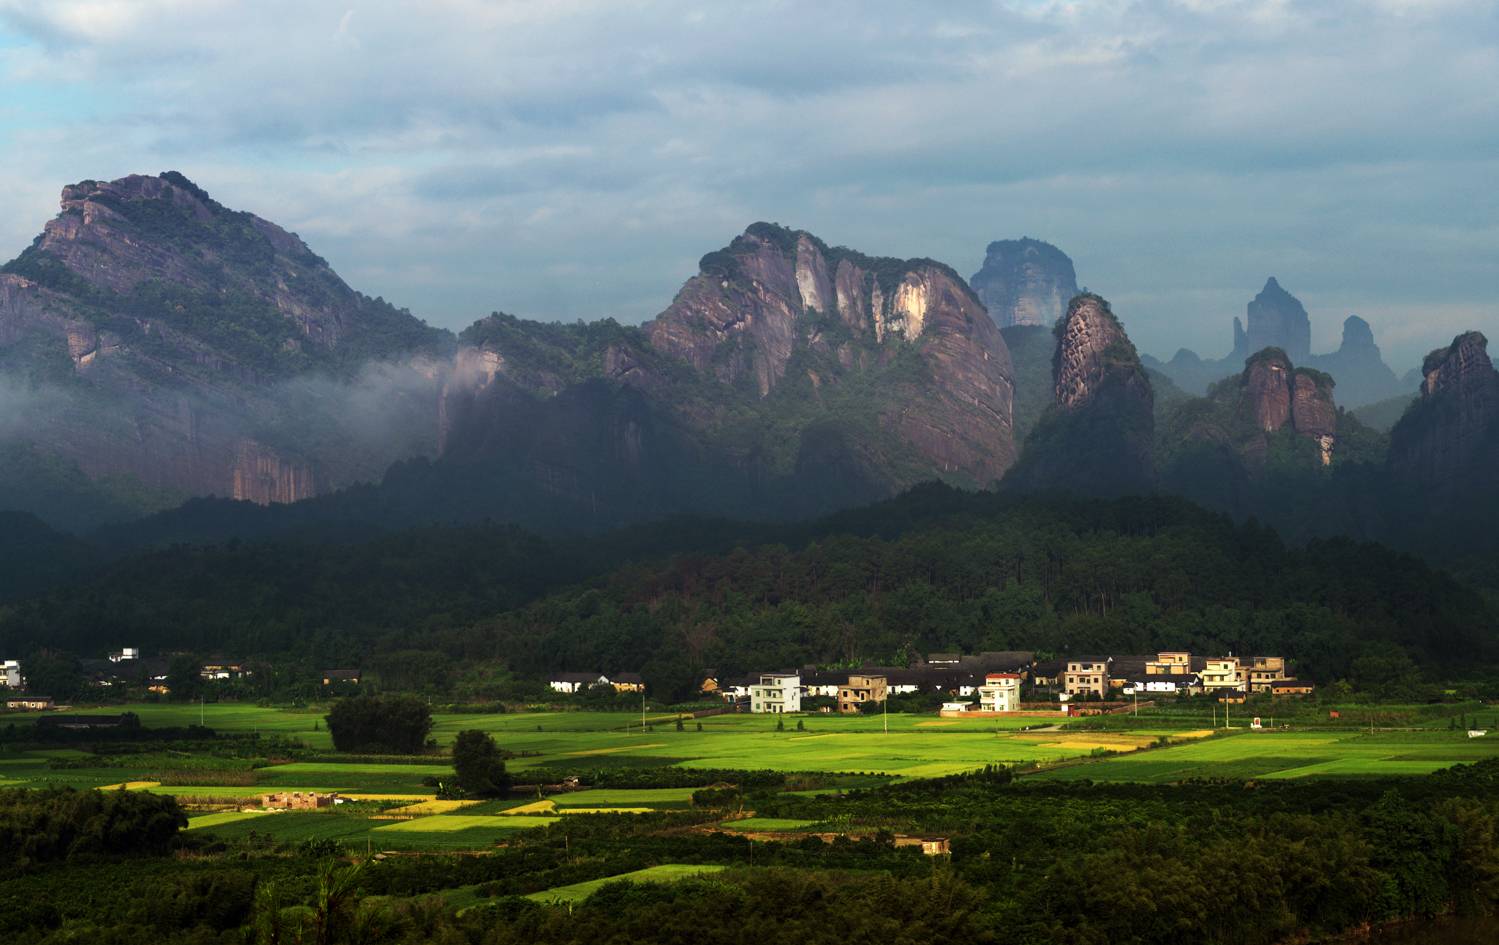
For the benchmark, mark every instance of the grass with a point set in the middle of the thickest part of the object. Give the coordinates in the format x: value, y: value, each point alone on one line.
x: 224, y: 817
x: 626, y: 797
x: 447, y: 823
x: 665, y: 873
x: 768, y: 824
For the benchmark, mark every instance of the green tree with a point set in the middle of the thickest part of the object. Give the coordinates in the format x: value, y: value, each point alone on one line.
x: 479, y: 765
x: 184, y: 681
x: 394, y: 724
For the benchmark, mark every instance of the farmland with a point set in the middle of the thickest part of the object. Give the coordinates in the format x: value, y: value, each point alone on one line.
x: 665, y: 873
x: 391, y: 804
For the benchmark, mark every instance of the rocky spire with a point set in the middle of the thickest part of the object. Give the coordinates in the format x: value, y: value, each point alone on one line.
x: 1097, y: 436
x: 1275, y: 393
x: 1276, y: 319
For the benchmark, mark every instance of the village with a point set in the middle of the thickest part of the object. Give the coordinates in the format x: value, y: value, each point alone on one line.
x: 954, y: 684
x: 988, y: 683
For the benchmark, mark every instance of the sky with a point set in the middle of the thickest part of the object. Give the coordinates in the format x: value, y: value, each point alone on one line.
x: 572, y: 159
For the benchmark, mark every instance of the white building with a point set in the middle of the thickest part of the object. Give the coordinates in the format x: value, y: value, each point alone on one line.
x: 125, y: 653
x: 1220, y: 674
x: 1163, y: 686
x: 570, y: 683
x: 10, y: 674
x: 1000, y: 693
x: 776, y: 692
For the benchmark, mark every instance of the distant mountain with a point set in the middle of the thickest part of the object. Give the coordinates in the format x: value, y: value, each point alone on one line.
x: 165, y: 346
x: 786, y: 379
x: 1025, y: 282
x: 1277, y: 319
x: 1096, y: 437
x: 1360, y: 370
x: 1274, y: 429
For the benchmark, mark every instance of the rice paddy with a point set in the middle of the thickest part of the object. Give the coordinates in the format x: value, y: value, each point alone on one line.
x: 394, y: 807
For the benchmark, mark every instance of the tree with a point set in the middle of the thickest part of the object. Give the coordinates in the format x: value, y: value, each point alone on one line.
x: 184, y: 681
x: 479, y: 765
x: 392, y: 724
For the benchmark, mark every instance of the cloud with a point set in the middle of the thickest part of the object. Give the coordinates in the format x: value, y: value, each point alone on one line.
x: 574, y: 159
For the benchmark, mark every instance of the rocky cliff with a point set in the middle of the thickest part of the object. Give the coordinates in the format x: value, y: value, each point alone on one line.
x: 1096, y: 437
x: 1270, y: 396
x: 154, y: 331
x: 786, y: 377
x: 1448, y: 441
x: 1025, y: 282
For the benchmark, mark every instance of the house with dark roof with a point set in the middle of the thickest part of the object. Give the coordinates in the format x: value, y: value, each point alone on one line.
x: 341, y: 677
x: 1047, y: 674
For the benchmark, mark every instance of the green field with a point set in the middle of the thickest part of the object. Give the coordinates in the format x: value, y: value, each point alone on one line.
x: 665, y: 873
x: 768, y: 824
x: 1249, y: 754
x: 1106, y: 749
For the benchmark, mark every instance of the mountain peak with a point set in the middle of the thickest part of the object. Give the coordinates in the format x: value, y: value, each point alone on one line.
x: 1025, y: 282
x: 1276, y: 318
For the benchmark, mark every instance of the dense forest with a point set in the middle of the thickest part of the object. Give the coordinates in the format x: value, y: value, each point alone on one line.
x: 935, y: 569
x: 1227, y: 863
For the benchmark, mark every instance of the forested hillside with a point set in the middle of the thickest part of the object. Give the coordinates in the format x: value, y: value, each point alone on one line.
x: 937, y: 568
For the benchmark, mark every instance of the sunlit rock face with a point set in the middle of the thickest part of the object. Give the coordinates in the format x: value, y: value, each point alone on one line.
x: 786, y: 377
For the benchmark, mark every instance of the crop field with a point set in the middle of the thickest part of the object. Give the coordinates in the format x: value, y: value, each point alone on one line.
x: 457, y: 831
x: 665, y: 873
x: 768, y: 824
x: 1293, y: 754
x: 914, y: 746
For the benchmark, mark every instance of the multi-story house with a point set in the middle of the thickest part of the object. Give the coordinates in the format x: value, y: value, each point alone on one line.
x: 1261, y: 672
x: 776, y: 692
x: 1170, y: 663
x: 1221, y: 673
x: 1086, y: 675
x: 10, y: 674
x: 861, y: 689
x: 1000, y: 693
